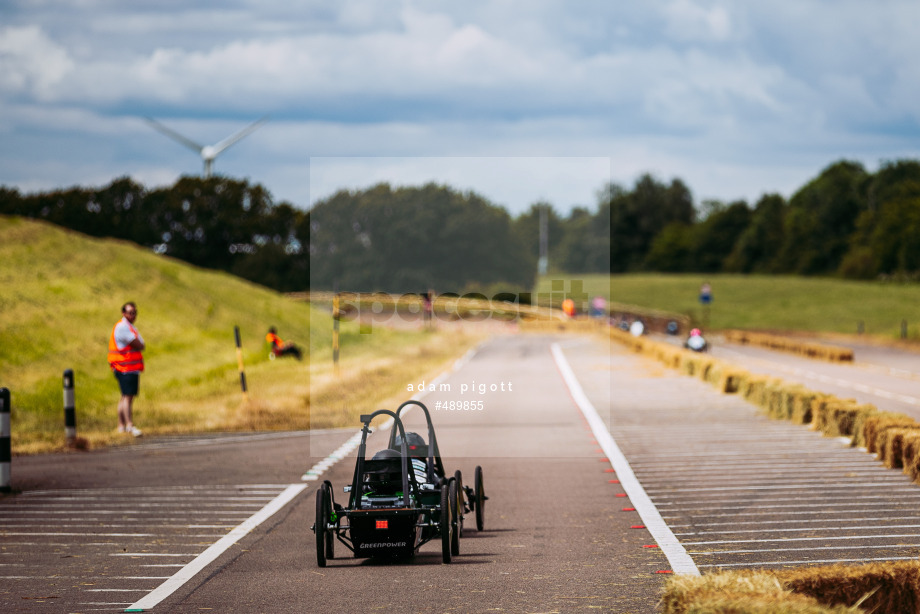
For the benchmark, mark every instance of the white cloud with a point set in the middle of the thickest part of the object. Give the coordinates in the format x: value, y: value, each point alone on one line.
x: 30, y: 63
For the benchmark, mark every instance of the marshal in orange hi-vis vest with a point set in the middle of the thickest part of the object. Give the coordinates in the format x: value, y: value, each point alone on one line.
x: 125, y: 360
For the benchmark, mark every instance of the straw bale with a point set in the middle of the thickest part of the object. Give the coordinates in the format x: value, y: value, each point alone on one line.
x: 859, y: 426
x: 744, y: 592
x: 896, y: 585
x: 843, y: 418
x: 910, y: 454
x: 891, y: 444
x: 801, y: 409
x: 730, y: 380
x: 874, y: 425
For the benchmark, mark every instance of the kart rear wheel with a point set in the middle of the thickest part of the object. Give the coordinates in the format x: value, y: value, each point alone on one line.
x: 323, y: 533
x: 444, y: 523
x: 455, y: 519
x: 480, y: 499
x: 460, y: 509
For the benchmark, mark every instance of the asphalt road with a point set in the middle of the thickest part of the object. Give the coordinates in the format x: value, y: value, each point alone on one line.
x: 222, y: 523
x: 101, y: 531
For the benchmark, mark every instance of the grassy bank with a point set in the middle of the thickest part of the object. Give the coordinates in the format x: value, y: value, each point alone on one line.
x: 768, y: 303
x: 62, y: 293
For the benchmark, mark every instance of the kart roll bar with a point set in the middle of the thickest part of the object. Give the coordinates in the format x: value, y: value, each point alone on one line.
x: 435, y: 466
x: 356, y: 485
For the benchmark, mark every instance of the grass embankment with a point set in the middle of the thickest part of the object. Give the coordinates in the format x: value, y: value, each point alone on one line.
x: 62, y: 293
x: 759, y: 302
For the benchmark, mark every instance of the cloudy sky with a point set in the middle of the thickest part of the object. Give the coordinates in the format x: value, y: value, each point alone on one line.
x: 519, y: 101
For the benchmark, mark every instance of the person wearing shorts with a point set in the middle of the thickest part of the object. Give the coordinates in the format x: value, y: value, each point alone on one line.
x: 127, y: 361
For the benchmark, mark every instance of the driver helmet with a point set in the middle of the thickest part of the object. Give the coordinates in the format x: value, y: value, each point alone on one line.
x: 695, y: 332
x: 414, y: 441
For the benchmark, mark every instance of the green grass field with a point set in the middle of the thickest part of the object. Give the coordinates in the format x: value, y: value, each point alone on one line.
x: 804, y: 304
x: 61, y: 293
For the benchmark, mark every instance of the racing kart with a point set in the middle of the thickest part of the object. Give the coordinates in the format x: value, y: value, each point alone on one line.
x: 399, y: 500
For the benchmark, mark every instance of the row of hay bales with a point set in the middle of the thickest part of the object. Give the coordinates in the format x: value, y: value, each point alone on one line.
x: 886, y: 588
x: 879, y: 588
x: 821, y: 351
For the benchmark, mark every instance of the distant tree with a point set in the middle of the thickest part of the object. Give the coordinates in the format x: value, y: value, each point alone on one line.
x: 526, y: 228
x: 672, y: 249
x: 585, y: 246
x: 820, y: 219
x: 887, y: 236
x: 760, y: 242
x: 637, y: 216
x: 715, y: 237
x: 412, y: 239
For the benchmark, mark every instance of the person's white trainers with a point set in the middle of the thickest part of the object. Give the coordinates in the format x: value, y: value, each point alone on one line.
x: 135, y: 431
x: 121, y: 429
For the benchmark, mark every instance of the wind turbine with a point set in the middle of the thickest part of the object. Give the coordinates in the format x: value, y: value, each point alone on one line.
x: 207, y: 152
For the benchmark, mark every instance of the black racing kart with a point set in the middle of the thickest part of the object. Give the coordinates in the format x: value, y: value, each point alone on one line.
x: 399, y: 500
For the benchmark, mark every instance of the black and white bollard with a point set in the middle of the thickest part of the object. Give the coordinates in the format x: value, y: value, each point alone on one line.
x: 70, y: 412
x: 6, y: 449
x: 239, y: 360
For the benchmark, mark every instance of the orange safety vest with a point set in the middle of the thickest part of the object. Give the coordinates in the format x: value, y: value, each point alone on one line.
x: 274, y: 340
x: 126, y: 360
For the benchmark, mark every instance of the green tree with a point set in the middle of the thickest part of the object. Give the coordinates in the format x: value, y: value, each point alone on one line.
x: 760, y: 242
x: 714, y: 238
x: 412, y: 239
x: 820, y: 219
x: 636, y: 217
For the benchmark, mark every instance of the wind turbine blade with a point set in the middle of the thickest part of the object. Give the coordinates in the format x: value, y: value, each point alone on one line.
x: 174, y: 135
x: 227, y: 142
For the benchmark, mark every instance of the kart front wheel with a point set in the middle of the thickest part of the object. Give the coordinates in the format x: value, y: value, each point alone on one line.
x: 480, y: 499
x: 444, y: 523
x: 458, y: 478
x: 455, y: 519
x: 324, y: 537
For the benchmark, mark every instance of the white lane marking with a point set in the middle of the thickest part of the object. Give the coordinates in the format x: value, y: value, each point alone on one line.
x: 754, y: 564
x: 802, y: 539
x: 810, y: 486
x: 681, y: 562
x: 202, y: 560
x: 836, y: 529
x: 316, y: 471
x: 809, y: 549
x: 736, y: 523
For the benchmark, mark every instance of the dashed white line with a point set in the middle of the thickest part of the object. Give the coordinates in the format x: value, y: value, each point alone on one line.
x: 202, y: 560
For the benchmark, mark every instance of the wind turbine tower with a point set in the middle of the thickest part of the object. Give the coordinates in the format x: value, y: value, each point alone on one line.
x: 207, y: 152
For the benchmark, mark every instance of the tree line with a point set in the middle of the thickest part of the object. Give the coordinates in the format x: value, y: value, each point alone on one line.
x: 846, y: 222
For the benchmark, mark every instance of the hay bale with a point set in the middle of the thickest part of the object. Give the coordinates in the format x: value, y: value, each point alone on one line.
x: 802, y: 404
x: 894, y: 587
x: 730, y: 380
x: 876, y: 424
x: 843, y: 419
x: 891, y: 444
x: 859, y: 426
x: 744, y: 592
x: 910, y: 454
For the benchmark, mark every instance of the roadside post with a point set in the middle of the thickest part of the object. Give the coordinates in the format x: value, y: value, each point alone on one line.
x: 335, y: 332
x: 6, y: 449
x: 239, y: 361
x: 70, y: 412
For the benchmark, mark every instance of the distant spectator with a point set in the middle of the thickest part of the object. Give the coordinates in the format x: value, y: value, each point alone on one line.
x: 279, y: 347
